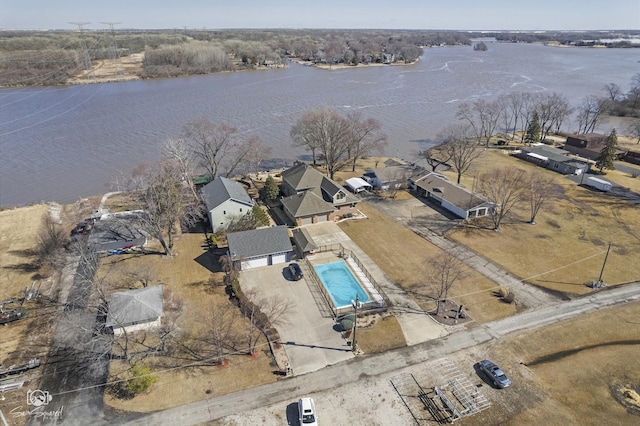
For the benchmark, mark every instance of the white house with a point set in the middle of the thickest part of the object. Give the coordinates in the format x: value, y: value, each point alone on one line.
x: 260, y: 247
x: 225, y: 198
x: 135, y: 310
x: 451, y: 196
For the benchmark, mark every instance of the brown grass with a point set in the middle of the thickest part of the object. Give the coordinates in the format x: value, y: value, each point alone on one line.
x: 188, y: 274
x: 573, y: 384
x: 402, y: 254
x: 383, y: 336
x: 566, y: 248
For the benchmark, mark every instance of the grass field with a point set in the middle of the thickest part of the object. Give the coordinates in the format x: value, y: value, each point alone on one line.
x: 567, y: 246
x: 402, y: 255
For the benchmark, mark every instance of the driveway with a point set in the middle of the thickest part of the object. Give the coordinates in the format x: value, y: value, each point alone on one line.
x: 308, y: 336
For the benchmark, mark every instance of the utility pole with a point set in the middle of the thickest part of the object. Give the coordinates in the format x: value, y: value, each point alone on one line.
x: 355, y: 325
x: 86, y: 59
x: 113, y: 49
x: 603, y: 264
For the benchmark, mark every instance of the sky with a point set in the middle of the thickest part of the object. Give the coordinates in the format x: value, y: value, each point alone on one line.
x: 524, y: 15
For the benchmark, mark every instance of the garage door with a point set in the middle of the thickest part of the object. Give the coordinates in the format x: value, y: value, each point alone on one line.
x: 307, y: 221
x: 279, y: 258
x: 255, y: 263
x: 322, y: 218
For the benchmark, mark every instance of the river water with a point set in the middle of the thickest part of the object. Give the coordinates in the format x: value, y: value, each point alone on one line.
x: 63, y: 143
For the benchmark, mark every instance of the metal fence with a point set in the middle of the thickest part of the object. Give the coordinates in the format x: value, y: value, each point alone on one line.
x: 340, y: 251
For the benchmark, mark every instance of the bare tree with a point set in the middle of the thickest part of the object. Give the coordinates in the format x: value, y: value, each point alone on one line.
x: 220, y: 332
x: 461, y: 149
x: 365, y: 137
x: 262, y: 313
x: 482, y: 117
x: 324, y: 131
x: 541, y: 190
x: 445, y: 269
x: 50, y: 242
x: 178, y: 152
x: 552, y: 110
x: 634, y: 129
x: 614, y: 92
x: 218, y: 148
x: 167, y: 201
x: 505, y: 187
x: 435, y: 156
x: 590, y: 112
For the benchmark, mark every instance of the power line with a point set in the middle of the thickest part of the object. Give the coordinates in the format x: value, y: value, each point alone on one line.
x: 114, y: 53
x: 86, y: 59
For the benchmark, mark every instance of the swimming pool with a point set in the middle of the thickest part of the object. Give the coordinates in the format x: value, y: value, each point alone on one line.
x: 340, y: 283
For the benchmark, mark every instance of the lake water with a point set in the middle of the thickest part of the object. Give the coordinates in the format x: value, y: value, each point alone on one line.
x: 63, y: 143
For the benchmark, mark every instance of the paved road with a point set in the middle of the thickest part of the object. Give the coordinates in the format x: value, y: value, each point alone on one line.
x: 351, y: 371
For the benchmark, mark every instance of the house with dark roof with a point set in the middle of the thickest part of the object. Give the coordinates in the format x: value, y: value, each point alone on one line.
x: 393, y: 175
x: 225, y: 199
x: 556, y: 159
x: 311, y: 197
x: 588, y: 145
x: 134, y: 310
x: 260, y: 247
x: 451, y: 196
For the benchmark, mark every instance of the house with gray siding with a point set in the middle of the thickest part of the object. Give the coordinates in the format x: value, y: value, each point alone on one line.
x: 225, y: 199
x: 133, y: 310
x: 556, y: 159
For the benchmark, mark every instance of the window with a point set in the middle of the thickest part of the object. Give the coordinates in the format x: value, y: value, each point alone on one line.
x: 224, y: 212
x: 240, y: 209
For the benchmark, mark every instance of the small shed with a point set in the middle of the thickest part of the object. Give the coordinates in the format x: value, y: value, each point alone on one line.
x: 135, y: 310
x: 356, y: 185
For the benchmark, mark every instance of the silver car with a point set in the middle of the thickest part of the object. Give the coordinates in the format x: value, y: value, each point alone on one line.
x: 495, y: 374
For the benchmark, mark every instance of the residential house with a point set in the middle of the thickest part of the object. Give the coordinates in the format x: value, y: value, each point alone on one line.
x: 395, y: 175
x: 135, y: 310
x: 588, y: 145
x: 260, y: 247
x: 451, y: 196
x: 118, y: 232
x: 556, y: 159
x: 311, y: 197
x: 225, y: 198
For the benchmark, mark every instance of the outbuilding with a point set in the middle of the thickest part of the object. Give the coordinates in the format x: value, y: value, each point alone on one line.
x: 357, y: 185
x: 260, y: 247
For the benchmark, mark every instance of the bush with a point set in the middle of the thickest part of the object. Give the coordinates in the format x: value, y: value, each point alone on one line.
x: 509, y: 298
x: 142, y: 378
x: 213, y: 241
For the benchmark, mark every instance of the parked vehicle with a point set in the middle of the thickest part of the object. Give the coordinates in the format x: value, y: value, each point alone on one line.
x: 494, y: 373
x: 597, y: 183
x: 307, y: 412
x: 296, y: 272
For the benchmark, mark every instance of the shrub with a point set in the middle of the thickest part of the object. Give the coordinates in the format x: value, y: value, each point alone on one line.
x: 142, y: 378
x: 509, y: 298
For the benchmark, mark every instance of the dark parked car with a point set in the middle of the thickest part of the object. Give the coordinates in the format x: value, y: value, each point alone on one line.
x: 495, y: 374
x: 296, y: 272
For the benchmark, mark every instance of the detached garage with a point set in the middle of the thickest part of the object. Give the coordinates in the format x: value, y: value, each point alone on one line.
x: 260, y: 247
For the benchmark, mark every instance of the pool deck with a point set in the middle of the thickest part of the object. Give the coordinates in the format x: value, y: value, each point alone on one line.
x: 416, y: 325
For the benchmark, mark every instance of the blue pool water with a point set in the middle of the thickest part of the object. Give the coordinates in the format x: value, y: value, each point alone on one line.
x: 340, y: 283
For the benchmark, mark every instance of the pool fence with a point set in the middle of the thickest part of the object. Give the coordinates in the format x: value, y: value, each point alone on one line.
x: 379, y: 301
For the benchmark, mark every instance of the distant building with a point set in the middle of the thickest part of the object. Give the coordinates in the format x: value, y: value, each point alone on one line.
x: 588, y: 145
x: 555, y: 159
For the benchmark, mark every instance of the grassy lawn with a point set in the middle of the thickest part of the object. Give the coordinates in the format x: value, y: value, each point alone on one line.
x: 383, y: 336
x: 552, y: 380
x: 402, y: 255
x: 566, y: 248
x: 188, y: 276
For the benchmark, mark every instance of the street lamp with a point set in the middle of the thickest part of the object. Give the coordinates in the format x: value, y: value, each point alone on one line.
x: 355, y: 323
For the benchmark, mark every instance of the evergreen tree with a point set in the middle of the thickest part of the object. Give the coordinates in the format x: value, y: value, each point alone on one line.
x: 260, y: 217
x: 142, y: 379
x: 271, y: 189
x: 533, y: 130
x: 608, y: 153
